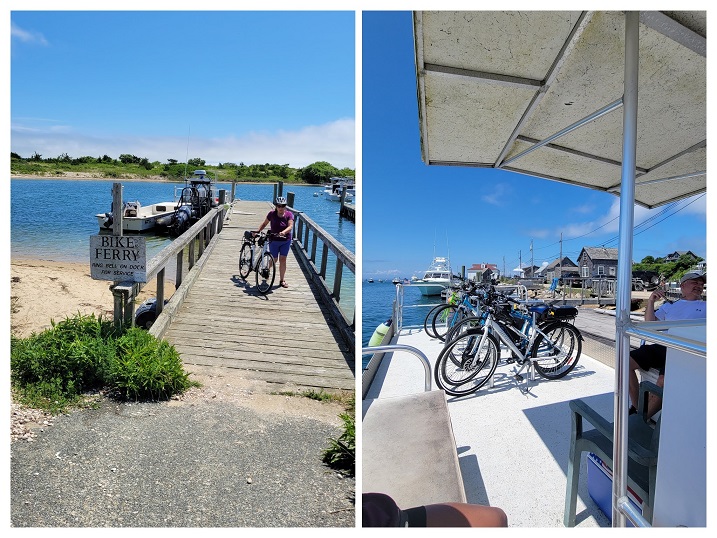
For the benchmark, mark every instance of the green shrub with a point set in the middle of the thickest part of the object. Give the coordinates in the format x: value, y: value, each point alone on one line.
x: 68, y: 359
x: 144, y: 367
x: 54, y: 368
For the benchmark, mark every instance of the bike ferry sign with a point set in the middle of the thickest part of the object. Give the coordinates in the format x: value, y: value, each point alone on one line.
x: 118, y: 257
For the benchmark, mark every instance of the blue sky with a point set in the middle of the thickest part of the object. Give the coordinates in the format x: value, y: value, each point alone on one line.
x: 411, y: 210
x: 252, y: 87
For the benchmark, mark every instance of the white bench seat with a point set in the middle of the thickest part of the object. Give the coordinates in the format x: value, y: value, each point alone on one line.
x: 409, y: 451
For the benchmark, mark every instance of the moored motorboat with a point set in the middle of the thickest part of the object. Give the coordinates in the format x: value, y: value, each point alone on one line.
x: 137, y: 218
x: 333, y: 190
x: 191, y: 203
x: 196, y: 199
x: 435, y: 279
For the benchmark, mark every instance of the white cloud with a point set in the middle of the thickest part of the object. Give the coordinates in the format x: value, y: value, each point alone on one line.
x: 332, y: 142
x: 25, y: 36
x: 501, y: 192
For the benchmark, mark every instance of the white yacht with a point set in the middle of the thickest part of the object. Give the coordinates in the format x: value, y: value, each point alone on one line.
x: 436, y: 278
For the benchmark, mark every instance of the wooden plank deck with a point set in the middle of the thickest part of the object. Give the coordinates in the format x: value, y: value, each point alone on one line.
x: 285, y: 337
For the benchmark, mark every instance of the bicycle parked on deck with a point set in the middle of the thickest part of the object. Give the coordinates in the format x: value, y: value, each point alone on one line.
x: 468, y: 361
x: 255, y: 256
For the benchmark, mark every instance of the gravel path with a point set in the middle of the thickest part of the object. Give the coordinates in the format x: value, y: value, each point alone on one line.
x: 227, y: 455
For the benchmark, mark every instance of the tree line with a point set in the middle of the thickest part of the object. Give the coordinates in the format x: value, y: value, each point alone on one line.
x: 671, y: 270
x: 315, y: 173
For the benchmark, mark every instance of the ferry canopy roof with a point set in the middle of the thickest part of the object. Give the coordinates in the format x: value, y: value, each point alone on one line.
x: 494, y: 86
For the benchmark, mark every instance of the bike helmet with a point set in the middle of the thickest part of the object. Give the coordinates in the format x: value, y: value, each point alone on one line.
x: 280, y: 200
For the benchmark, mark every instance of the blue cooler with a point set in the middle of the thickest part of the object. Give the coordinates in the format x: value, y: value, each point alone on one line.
x: 600, y: 487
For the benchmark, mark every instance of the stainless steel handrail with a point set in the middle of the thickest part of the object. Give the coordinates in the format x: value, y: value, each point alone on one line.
x: 410, y: 349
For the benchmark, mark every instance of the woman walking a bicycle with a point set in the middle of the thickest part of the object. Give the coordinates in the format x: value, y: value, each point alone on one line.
x: 281, y: 222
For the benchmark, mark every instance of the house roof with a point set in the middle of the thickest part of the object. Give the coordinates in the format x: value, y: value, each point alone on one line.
x: 493, y: 85
x: 599, y: 253
x: 566, y: 263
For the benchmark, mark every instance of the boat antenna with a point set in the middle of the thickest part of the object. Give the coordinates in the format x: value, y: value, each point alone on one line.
x: 186, y: 159
x: 448, y: 248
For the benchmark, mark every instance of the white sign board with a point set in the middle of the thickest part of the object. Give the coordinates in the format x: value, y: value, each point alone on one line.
x: 115, y: 257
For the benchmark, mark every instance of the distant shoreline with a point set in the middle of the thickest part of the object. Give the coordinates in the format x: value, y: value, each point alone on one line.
x: 82, y: 176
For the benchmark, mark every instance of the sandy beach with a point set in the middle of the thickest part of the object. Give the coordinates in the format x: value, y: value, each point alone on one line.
x: 43, y: 290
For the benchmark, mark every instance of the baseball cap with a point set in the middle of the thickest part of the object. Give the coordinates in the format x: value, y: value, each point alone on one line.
x: 693, y: 276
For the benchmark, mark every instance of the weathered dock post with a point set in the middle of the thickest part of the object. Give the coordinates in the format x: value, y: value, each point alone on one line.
x: 278, y: 190
x: 120, y: 295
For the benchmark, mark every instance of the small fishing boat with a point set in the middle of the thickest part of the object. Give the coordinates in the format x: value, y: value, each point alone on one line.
x: 137, y: 218
x: 191, y: 203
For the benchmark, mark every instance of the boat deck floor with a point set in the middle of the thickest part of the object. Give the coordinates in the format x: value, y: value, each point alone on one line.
x: 512, y: 439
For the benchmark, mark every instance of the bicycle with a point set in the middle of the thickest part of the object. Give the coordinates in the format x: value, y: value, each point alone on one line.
x: 469, y: 361
x: 545, y: 313
x: 461, y: 304
x: 255, y: 256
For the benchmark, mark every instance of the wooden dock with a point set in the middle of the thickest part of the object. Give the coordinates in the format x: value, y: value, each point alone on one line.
x: 285, y: 337
x: 348, y: 211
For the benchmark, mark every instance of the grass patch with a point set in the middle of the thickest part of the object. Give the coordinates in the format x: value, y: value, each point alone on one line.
x: 319, y: 395
x: 54, y: 369
x: 341, y: 453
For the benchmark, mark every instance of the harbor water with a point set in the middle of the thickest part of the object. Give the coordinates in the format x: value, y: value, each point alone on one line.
x: 53, y: 219
x: 377, y: 303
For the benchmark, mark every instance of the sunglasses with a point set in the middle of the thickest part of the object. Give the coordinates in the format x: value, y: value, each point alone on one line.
x: 281, y: 206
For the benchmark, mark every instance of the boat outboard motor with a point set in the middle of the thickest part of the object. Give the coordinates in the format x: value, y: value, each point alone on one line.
x: 165, y: 221
x: 182, y: 220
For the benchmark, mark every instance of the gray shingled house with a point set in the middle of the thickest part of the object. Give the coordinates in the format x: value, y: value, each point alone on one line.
x: 597, y: 263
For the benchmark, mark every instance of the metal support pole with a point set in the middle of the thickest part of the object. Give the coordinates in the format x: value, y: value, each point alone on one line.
x: 624, y: 264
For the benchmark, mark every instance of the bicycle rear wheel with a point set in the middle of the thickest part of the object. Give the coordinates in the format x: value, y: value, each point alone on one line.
x: 245, y: 260
x: 465, y: 365
x: 444, y: 318
x: 265, y: 273
x: 428, y: 322
x: 557, y: 355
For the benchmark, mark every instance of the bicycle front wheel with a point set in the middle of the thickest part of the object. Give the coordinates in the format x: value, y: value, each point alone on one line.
x: 557, y: 354
x: 471, y: 322
x: 245, y: 260
x: 265, y: 273
x: 467, y: 363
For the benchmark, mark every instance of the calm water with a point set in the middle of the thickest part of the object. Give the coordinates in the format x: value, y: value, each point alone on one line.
x: 54, y: 219
x: 377, y: 302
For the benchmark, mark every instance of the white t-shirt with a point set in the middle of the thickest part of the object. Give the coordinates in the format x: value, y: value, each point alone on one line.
x: 682, y: 310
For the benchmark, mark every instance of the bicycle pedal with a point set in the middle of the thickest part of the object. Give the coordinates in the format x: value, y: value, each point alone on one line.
x: 518, y: 377
x: 510, y: 360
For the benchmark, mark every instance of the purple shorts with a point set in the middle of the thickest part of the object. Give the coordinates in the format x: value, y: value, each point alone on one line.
x: 277, y: 247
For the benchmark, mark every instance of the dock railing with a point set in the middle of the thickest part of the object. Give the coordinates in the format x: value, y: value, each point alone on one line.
x: 307, y: 237
x: 196, y: 241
